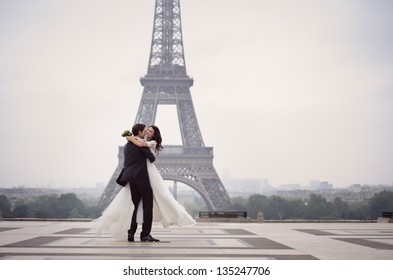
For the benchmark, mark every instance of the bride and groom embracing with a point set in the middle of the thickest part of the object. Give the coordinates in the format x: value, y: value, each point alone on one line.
x: 142, y: 183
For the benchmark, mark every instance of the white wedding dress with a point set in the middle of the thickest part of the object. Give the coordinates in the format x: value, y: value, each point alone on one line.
x: 116, y: 218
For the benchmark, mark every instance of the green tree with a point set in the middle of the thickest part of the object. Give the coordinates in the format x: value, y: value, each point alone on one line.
x: 295, y: 209
x: 43, y: 206
x: 21, y: 211
x: 67, y: 203
x: 93, y: 212
x: 380, y: 202
x: 340, y: 208
x: 277, y: 205
x: 318, y: 207
x: 239, y: 203
x: 74, y: 213
x: 258, y: 203
x: 43, y: 213
x: 356, y: 211
x: 5, y: 206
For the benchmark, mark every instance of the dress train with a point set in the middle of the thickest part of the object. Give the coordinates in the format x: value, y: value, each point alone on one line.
x: 166, y: 209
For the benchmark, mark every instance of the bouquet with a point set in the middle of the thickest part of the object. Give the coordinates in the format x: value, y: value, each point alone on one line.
x: 126, y: 133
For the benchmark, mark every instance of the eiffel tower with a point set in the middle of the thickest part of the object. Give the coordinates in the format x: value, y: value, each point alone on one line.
x: 167, y: 82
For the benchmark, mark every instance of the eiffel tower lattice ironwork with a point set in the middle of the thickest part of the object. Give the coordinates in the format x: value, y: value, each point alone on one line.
x: 167, y: 82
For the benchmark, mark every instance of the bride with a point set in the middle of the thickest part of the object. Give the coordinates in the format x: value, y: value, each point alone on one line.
x: 116, y: 218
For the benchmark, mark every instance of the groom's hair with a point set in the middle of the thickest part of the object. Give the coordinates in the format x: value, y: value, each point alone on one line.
x: 138, y: 127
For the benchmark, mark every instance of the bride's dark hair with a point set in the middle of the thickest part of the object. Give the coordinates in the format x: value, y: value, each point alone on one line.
x: 157, y: 137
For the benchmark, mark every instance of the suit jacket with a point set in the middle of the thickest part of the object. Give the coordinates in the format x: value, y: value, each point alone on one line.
x: 135, y: 169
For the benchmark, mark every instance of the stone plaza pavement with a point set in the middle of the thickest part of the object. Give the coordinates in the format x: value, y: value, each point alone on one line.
x: 75, y: 240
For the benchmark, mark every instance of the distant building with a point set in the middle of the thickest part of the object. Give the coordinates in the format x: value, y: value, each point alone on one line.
x: 290, y: 187
x: 320, y: 186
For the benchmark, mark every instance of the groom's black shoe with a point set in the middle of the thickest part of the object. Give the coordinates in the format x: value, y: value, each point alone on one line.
x: 130, y: 237
x: 149, y: 238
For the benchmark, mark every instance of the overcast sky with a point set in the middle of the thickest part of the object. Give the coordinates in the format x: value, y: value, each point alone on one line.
x: 288, y: 91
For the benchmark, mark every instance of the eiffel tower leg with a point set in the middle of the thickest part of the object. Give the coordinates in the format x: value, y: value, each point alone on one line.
x: 195, y: 170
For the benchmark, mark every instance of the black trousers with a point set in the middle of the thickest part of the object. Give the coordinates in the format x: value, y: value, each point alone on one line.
x: 144, y: 194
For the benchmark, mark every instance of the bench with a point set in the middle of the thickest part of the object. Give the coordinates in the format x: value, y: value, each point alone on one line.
x: 387, y: 214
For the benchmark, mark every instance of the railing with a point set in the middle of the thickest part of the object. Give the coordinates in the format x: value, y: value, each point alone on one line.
x: 181, y: 150
x: 174, y: 150
x: 223, y: 214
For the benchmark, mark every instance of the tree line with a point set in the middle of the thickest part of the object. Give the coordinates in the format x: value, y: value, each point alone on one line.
x: 48, y: 206
x: 315, y: 207
x: 272, y: 207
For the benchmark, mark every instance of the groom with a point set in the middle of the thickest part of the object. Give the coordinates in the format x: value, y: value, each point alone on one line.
x: 135, y: 173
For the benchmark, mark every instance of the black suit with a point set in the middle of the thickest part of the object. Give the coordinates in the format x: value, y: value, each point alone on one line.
x: 135, y: 172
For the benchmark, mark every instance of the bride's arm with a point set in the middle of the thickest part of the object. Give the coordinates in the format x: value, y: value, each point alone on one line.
x: 141, y: 142
x: 137, y: 141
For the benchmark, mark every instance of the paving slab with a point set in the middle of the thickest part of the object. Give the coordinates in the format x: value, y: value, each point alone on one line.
x: 64, y: 240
